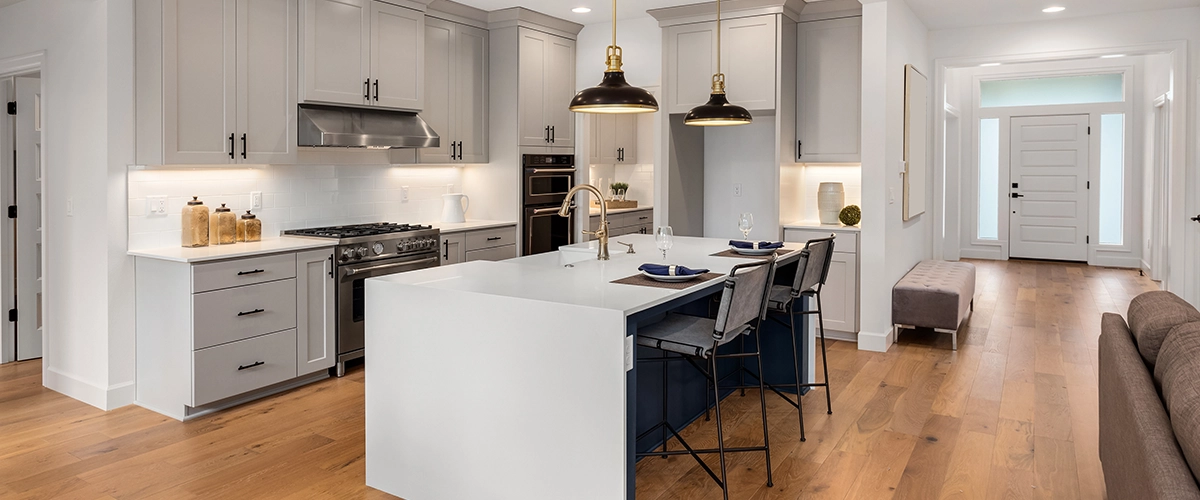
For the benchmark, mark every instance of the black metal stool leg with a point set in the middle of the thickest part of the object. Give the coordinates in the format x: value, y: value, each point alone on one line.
x: 762, y: 400
x: 791, y: 311
x: 664, y: 408
x: 742, y: 367
x: 720, y: 432
x: 824, y: 359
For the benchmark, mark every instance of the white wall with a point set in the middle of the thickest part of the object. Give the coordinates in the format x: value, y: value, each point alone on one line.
x: 741, y: 155
x: 1157, y: 83
x: 88, y: 106
x: 892, y: 37
x: 294, y: 196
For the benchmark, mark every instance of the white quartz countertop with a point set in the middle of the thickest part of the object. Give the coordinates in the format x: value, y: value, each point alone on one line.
x: 612, y: 211
x: 812, y: 224
x: 588, y: 282
x: 458, y: 227
x: 281, y: 244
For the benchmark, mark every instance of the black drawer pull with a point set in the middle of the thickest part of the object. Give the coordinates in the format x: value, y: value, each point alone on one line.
x: 256, y: 271
x: 494, y: 238
x: 251, y: 365
x: 643, y: 218
x: 247, y: 313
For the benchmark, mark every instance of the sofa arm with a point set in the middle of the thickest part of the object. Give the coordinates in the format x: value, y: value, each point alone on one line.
x: 1138, y: 450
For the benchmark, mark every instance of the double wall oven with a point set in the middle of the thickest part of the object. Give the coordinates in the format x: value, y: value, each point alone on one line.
x: 546, y: 180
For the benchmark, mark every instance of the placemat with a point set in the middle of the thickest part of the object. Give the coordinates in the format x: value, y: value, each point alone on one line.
x: 730, y: 253
x: 639, y: 279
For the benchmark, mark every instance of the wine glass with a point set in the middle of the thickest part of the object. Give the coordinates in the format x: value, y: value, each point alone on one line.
x: 664, y: 237
x: 746, y: 223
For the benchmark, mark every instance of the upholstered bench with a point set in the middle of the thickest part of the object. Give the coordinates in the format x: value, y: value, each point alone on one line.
x: 934, y: 294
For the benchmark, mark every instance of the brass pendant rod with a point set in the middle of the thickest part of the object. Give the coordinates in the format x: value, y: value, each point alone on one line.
x: 718, y: 37
x: 614, y: 23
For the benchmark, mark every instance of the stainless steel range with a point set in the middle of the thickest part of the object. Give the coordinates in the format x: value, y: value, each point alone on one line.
x: 366, y: 251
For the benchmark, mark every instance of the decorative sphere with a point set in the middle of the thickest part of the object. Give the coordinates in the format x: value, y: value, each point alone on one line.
x: 851, y: 215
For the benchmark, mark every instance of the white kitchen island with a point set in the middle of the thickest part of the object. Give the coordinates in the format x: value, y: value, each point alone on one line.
x: 514, y: 379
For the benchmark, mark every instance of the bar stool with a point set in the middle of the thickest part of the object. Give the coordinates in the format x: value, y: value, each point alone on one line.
x: 742, y: 309
x: 811, y: 272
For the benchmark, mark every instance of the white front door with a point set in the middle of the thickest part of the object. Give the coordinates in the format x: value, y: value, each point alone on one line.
x: 1049, y: 195
x: 29, y: 217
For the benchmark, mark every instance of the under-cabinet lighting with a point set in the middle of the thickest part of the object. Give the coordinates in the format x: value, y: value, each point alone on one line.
x: 989, y: 65
x: 581, y: 10
x: 1053, y: 10
x: 1112, y: 56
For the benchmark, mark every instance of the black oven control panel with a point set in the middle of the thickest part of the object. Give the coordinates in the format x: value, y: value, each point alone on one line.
x: 549, y: 161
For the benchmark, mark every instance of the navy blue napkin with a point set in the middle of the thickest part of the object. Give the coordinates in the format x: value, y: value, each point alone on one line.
x: 661, y: 270
x: 762, y: 245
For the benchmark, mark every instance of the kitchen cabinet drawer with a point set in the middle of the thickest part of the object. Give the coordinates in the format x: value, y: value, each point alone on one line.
x: 238, y: 272
x: 231, y: 369
x: 844, y: 242
x: 489, y: 238
x: 496, y: 253
x: 238, y: 313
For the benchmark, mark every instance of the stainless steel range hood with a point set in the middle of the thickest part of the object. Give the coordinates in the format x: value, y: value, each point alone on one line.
x: 332, y: 126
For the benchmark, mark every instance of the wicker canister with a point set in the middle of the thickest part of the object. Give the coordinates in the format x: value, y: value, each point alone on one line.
x: 224, y: 226
x: 249, y: 228
x: 195, y: 224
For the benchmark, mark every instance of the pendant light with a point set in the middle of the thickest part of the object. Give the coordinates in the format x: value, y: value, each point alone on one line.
x: 718, y: 112
x: 614, y: 94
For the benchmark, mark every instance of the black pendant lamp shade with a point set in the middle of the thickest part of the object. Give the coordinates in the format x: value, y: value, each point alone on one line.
x: 718, y: 112
x: 614, y: 94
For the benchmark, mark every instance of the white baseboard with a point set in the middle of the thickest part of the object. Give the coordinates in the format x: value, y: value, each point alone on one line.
x: 1105, y: 259
x: 105, y: 399
x: 876, y: 342
x: 841, y: 336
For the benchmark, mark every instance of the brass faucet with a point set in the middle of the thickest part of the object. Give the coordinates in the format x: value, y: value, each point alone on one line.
x: 602, y: 232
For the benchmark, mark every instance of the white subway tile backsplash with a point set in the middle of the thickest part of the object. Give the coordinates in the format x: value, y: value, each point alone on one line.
x: 294, y: 196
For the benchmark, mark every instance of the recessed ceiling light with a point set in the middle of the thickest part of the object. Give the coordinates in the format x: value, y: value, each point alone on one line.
x: 1112, y: 56
x: 988, y: 65
x: 581, y: 10
x: 1052, y: 10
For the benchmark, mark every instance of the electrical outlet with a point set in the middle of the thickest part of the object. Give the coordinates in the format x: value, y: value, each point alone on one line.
x: 628, y: 352
x: 449, y: 188
x: 156, y: 205
x: 737, y: 189
x: 403, y: 194
x: 256, y: 200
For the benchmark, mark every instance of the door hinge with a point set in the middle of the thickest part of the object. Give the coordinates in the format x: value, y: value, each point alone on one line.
x: 12, y: 108
x: 12, y: 211
x: 12, y: 315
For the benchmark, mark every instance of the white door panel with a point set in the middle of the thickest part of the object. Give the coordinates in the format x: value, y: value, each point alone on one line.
x: 29, y: 220
x: 1049, y: 203
x: 397, y: 47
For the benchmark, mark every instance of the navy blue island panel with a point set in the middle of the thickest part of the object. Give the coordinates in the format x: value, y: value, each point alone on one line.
x: 688, y: 392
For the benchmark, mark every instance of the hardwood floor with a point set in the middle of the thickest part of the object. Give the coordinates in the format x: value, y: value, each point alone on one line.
x: 1012, y: 414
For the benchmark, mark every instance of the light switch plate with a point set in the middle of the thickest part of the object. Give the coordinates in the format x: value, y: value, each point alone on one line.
x: 156, y: 205
x: 628, y: 352
x: 256, y: 200
x: 737, y: 189
x: 403, y: 194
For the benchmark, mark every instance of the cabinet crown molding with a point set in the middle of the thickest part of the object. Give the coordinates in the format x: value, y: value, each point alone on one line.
x: 458, y: 13
x: 730, y: 9
x: 520, y: 16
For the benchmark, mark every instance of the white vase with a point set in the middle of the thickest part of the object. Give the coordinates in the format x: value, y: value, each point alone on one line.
x: 831, y: 197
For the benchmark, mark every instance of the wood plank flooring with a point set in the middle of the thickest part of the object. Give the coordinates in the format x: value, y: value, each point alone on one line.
x: 1012, y: 414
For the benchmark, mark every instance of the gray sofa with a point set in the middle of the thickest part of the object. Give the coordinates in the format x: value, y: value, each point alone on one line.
x: 1150, y: 399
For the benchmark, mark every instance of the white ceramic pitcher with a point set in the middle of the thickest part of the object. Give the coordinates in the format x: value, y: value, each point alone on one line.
x: 454, y: 207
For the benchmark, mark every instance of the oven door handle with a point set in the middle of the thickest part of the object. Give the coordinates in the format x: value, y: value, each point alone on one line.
x: 549, y: 170
x: 541, y: 211
x: 351, y: 271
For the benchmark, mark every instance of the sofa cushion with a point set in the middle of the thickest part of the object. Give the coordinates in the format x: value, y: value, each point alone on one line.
x: 1178, y: 374
x: 1152, y: 315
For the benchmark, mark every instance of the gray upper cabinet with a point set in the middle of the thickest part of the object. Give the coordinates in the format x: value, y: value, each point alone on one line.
x: 456, y: 92
x: 749, y: 49
x: 614, y: 139
x: 362, y: 53
x: 215, y: 81
x: 546, y: 74
x: 829, y: 87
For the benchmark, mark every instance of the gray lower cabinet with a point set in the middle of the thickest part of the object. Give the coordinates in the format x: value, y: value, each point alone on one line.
x: 839, y: 297
x: 498, y: 243
x: 213, y: 334
x: 620, y: 224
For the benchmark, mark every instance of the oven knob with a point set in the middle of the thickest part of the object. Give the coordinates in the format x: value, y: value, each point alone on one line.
x: 362, y: 252
x: 347, y: 254
x: 377, y: 248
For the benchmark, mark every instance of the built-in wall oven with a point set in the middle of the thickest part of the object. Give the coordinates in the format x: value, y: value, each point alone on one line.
x: 547, y: 179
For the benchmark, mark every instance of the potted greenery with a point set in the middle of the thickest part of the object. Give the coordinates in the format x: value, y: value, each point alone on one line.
x: 619, y: 189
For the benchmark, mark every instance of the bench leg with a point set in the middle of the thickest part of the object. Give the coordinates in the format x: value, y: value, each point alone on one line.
x: 954, y: 340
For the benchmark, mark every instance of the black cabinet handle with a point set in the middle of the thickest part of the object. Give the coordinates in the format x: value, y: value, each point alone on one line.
x: 799, y: 149
x: 376, y: 90
x: 460, y: 151
x: 453, y: 147
x: 243, y: 146
x: 445, y: 249
x: 330, y: 265
x: 643, y: 217
x: 231, y: 147
x: 547, y: 133
x: 552, y: 134
x: 251, y: 365
x: 1196, y: 218
x: 256, y: 271
x: 495, y: 238
x: 367, y: 89
x: 247, y: 313
x: 1016, y: 195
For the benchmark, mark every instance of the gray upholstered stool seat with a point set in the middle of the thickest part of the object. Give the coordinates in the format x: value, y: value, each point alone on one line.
x: 683, y: 334
x: 935, y: 294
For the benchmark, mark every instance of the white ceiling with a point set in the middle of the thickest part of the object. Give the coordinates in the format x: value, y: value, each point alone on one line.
x: 937, y: 14
x: 6, y: 3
